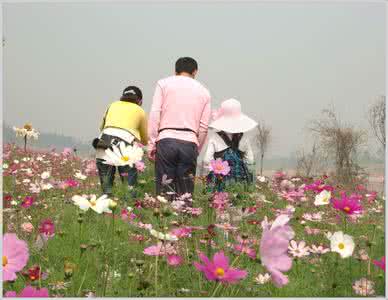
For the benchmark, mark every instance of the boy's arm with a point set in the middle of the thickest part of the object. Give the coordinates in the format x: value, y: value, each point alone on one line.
x: 154, y: 120
x: 143, y: 129
x: 204, y: 124
x: 103, y: 120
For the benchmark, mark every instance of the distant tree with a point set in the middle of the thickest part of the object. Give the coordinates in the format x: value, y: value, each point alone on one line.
x: 263, y: 137
x: 341, y: 143
x: 376, y: 118
x: 307, y: 163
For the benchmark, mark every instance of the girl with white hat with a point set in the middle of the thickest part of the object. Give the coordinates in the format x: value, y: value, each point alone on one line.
x: 229, y: 145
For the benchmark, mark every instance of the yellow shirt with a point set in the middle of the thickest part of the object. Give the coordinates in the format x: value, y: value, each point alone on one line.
x: 127, y: 116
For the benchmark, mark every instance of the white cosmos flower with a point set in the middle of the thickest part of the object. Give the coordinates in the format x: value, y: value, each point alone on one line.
x: 46, y: 186
x: 162, y: 199
x: 14, y: 203
x: 45, y: 175
x: 123, y: 155
x: 323, y: 198
x: 298, y: 250
x: 15, y: 161
x: 262, y: 279
x: 99, y: 205
x: 342, y: 244
x: 79, y: 175
x: 261, y: 179
x: 162, y: 236
x: 5, y: 166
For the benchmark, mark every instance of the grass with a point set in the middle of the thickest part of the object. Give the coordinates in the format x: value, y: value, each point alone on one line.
x: 109, y: 261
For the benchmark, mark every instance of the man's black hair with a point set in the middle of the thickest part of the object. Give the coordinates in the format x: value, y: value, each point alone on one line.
x: 186, y: 64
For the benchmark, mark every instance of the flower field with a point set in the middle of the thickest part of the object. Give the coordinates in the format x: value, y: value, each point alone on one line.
x: 280, y: 237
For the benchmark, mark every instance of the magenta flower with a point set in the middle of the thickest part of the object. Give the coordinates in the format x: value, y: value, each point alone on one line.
x: 349, y: 205
x: 29, y: 292
x: 27, y: 202
x: 318, y: 186
x: 274, y: 247
x: 380, y: 263
x: 219, y: 167
x: 71, y: 183
x: 15, y: 256
x: 47, y: 228
x: 218, y: 269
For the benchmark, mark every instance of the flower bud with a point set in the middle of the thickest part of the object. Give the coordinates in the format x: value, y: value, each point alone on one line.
x: 112, y: 204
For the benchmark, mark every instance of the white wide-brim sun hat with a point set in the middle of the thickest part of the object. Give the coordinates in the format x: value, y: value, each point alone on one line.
x: 229, y: 118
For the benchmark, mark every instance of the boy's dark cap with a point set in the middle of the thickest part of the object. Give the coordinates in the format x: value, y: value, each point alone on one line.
x: 133, y: 92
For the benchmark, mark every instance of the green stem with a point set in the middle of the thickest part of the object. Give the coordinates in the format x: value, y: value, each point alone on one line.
x: 334, y: 285
x: 156, y: 275
x: 83, y: 278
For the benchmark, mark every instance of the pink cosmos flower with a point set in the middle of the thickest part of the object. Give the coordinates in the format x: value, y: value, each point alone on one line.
x: 47, y: 228
x: 220, y: 201
x: 140, y: 166
x: 27, y: 227
x: 371, y: 197
x: 174, y: 260
x: 15, y: 256
x: 219, y: 167
x: 29, y: 292
x: 274, y: 247
x: 319, y: 249
x: 218, y: 269
x: 67, y: 151
x: 312, y: 231
x: 349, y: 205
x: 244, y: 248
x: 27, y: 202
x: 182, y: 232
x: 380, y: 263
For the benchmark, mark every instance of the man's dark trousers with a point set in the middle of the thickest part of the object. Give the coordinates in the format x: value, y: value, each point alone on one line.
x: 176, y: 159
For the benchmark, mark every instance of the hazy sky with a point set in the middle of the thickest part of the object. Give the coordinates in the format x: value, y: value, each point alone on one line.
x: 64, y: 63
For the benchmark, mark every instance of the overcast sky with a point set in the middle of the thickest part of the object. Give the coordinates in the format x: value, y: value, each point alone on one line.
x: 64, y: 63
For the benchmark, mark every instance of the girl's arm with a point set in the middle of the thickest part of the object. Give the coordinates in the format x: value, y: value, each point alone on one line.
x: 246, y: 147
x: 209, y: 154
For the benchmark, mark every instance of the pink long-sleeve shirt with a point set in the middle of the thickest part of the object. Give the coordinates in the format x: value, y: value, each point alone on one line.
x: 179, y: 102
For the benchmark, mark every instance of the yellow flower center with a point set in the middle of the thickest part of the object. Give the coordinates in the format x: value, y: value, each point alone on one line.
x: 347, y: 208
x: 27, y: 127
x: 341, y: 246
x: 93, y: 202
x: 5, y: 261
x: 220, y: 272
x: 125, y: 158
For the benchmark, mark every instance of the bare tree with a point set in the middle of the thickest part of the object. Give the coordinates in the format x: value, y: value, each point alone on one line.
x: 341, y: 143
x: 263, y: 139
x: 376, y: 118
x: 307, y: 163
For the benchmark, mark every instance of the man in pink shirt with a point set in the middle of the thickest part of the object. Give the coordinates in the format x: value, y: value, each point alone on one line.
x: 177, y: 127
